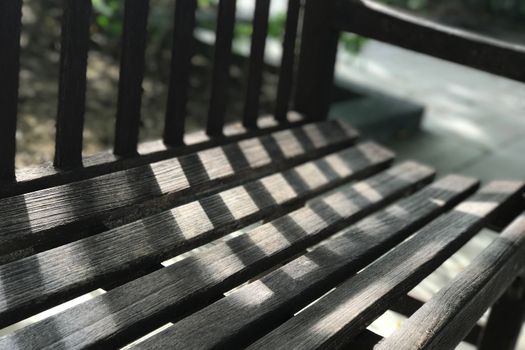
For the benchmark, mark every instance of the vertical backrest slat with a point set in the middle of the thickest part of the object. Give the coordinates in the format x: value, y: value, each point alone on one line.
x: 182, y: 50
x: 10, y: 14
x: 221, y: 67
x: 72, y: 87
x: 131, y: 76
x: 315, y: 73
x: 284, y: 90
x: 260, y: 30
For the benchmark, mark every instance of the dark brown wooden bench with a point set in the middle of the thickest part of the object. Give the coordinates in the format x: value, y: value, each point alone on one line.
x: 252, y: 221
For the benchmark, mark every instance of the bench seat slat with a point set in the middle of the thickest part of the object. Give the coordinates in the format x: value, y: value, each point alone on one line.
x: 262, y: 305
x: 46, y: 175
x: 94, y: 260
x: 446, y: 319
x: 342, y: 314
x: 37, y: 216
x: 138, y: 305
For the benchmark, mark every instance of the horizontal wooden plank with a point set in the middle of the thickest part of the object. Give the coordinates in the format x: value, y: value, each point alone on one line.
x: 447, y: 318
x: 130, y: 310
x: 262, y: 305
x: 46, y: 175
x: 338, y: 317
x: 42, y: 215
x: 408, y: 305
x: 117, y: 252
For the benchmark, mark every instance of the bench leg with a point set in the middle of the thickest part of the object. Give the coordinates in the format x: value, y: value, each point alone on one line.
x: 505, y: 319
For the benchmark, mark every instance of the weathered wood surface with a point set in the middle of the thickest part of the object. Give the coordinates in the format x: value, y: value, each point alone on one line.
x: 72, y: 88
x: 10, y: 15
x: 447, y: 318
x: 338, y: 317
x: 39, y: 216
x: 112, y: 222
x: 262, y: 305
x: 117, y: 252
x: 408, y: 305
x: 162, y: 295
x: 256, y: 63
x: 46, y: 175
x: 131, y: 75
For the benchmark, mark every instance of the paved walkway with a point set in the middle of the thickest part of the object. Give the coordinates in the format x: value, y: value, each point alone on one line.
x: 474, y: 124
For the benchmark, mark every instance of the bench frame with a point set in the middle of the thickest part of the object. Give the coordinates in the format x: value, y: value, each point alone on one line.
x: 321, y: 24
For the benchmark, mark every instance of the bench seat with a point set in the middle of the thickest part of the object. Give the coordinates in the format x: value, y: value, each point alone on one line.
x: 220, y: 248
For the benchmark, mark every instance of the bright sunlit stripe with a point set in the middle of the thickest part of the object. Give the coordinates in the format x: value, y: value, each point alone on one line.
x: 50, y: 312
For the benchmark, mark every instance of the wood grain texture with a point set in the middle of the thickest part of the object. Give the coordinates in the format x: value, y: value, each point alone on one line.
x: 262, y: 305
x: 256, y: 63
x: 287, y: 69
x: 408, y: 305
x: 447, y: 318
x: 181, y: 229
x: 72, y: 87
x: 181, y: 53
x: 131, y: 74
x: 43, y: 215
x: 46, y: 175
x: 10, y: 14
x: 335, y: 319
x: 221, y: 67
x: 134, y: 308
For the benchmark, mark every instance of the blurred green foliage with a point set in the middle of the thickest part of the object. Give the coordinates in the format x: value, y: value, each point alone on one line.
x: 108, y: 19
x: 351, y: 42
x: 108, y: 16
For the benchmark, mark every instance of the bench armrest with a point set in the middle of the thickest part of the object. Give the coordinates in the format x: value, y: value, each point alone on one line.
x: 383, y: 23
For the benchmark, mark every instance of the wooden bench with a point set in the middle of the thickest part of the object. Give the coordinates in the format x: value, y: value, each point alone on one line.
x: 223, y: 238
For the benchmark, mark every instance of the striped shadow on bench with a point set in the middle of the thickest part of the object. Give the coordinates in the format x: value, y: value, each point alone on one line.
x: 323, y: 212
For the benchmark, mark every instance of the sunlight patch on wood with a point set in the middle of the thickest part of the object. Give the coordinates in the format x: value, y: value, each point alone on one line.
x: 50, y: 312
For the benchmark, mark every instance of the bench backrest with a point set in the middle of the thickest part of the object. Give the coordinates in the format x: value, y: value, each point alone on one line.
x: 72, y: 80
x: 314, y: 25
